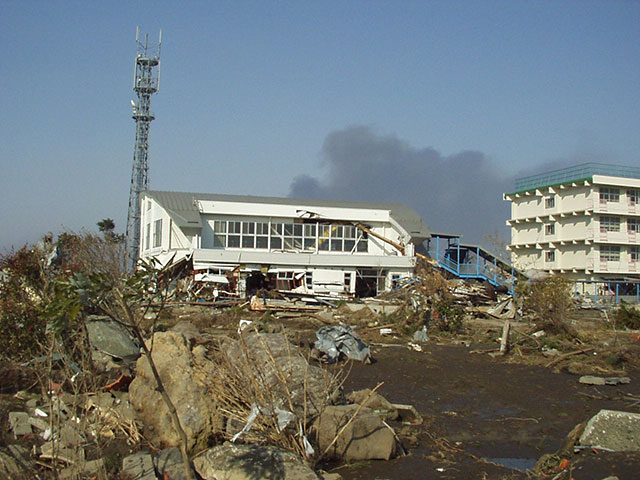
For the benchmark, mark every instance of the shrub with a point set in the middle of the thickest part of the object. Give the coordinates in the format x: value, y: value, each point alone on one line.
x: 628, y: 316
x: 447, y: 316
x: 549, y: 300
x: 22, y: 326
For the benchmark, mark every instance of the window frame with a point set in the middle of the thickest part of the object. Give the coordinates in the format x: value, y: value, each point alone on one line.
x: 609, y: 223
x: 550, y: 229
x: 609, y: 194
x: 609, y: 253
x: 157, y: 233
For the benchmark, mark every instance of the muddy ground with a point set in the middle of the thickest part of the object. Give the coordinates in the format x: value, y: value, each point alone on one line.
x: 480, y: 412
x: 485, y: 417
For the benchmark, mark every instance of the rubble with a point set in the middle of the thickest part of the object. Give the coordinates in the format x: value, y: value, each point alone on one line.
x: 375, y: 402
x: 249, y: 462
x: 591, y: 380
x: 169, y: 464
x: 613, y: 431
x: 341, y: 340
x: 271, y: 361
x: 19, y: 423
x: 139, y: 466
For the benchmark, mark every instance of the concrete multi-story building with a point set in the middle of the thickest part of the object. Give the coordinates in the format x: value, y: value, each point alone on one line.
x: 582, y: 221
x: 306, y: 246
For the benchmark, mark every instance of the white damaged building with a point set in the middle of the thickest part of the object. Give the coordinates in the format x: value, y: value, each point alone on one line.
x: 244, y: 243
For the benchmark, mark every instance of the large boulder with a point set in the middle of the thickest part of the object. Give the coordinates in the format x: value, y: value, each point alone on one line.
x: 272, y: 361
x: 111, y: 338
x: 365, y: 438
x: 184, y: 372
x: 249, y: 462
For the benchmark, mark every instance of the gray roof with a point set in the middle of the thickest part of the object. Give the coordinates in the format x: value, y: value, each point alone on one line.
x: 182, y: 208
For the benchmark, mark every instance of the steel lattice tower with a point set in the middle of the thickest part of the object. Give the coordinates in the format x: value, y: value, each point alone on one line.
x: 146, y: 82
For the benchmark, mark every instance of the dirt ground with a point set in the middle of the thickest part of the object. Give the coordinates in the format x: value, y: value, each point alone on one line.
x: 482, y: 414
x: 485, y: 417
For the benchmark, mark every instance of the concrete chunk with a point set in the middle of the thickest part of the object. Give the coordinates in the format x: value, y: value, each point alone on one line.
x: 19, y: 422
x: 139, y: 466
x: 613, y: 430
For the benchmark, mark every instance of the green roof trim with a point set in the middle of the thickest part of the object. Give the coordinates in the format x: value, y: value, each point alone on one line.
x: 586, y: 179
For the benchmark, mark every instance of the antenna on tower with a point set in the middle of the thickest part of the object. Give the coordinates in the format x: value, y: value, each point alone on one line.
x: 146, y: 82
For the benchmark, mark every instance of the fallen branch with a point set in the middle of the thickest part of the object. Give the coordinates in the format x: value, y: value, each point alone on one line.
x: 566, y: 355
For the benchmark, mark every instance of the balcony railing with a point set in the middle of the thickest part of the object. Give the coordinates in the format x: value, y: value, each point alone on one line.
x: 579, y: 172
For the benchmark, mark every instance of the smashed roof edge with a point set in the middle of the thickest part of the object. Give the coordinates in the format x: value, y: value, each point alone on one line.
x: 181, y: 206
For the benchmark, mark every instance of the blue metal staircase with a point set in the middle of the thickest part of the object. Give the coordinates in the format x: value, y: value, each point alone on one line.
x: 470, y: 261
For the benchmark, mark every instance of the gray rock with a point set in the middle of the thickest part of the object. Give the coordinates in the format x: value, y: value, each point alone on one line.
x: 19, y: 422
x: 613, y: 430
x: 250, y: 462
x: 591, y: 380
x: 111, y: 338
x: 169, y: 462
x: 269, y: 358
x: 375, y: 402
x: 139, y: 466
x: 365, y: 438
x: 184, y: 373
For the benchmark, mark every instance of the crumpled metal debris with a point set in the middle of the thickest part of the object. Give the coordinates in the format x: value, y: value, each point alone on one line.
x: 339, y: 339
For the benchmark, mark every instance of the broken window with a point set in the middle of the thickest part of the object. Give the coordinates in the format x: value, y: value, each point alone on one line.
x: 289, y: 280
x: 324, y: 232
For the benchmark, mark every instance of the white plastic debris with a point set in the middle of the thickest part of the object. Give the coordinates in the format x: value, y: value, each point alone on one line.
x: 243, y: 324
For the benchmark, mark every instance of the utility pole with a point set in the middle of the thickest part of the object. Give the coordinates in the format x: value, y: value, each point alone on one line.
x: 146, y: 82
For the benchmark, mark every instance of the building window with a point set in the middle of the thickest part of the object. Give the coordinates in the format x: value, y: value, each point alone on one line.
x: 147, y: 236
x: 634, y: 254
x: 157, y: 233
x: 634, y: 196
x: 608, y: 194
x: 308, y: 237
x: 609, y: 253
x: 550, y: 256
x: 550, y: 202
x: 633, y: 225
x: 550, y: 229
x: 609, y: 224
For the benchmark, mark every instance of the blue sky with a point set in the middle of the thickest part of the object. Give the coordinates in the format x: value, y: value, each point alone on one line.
x: 252, y: 92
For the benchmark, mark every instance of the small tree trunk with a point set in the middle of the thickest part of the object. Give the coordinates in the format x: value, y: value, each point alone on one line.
x: 504, y: 341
